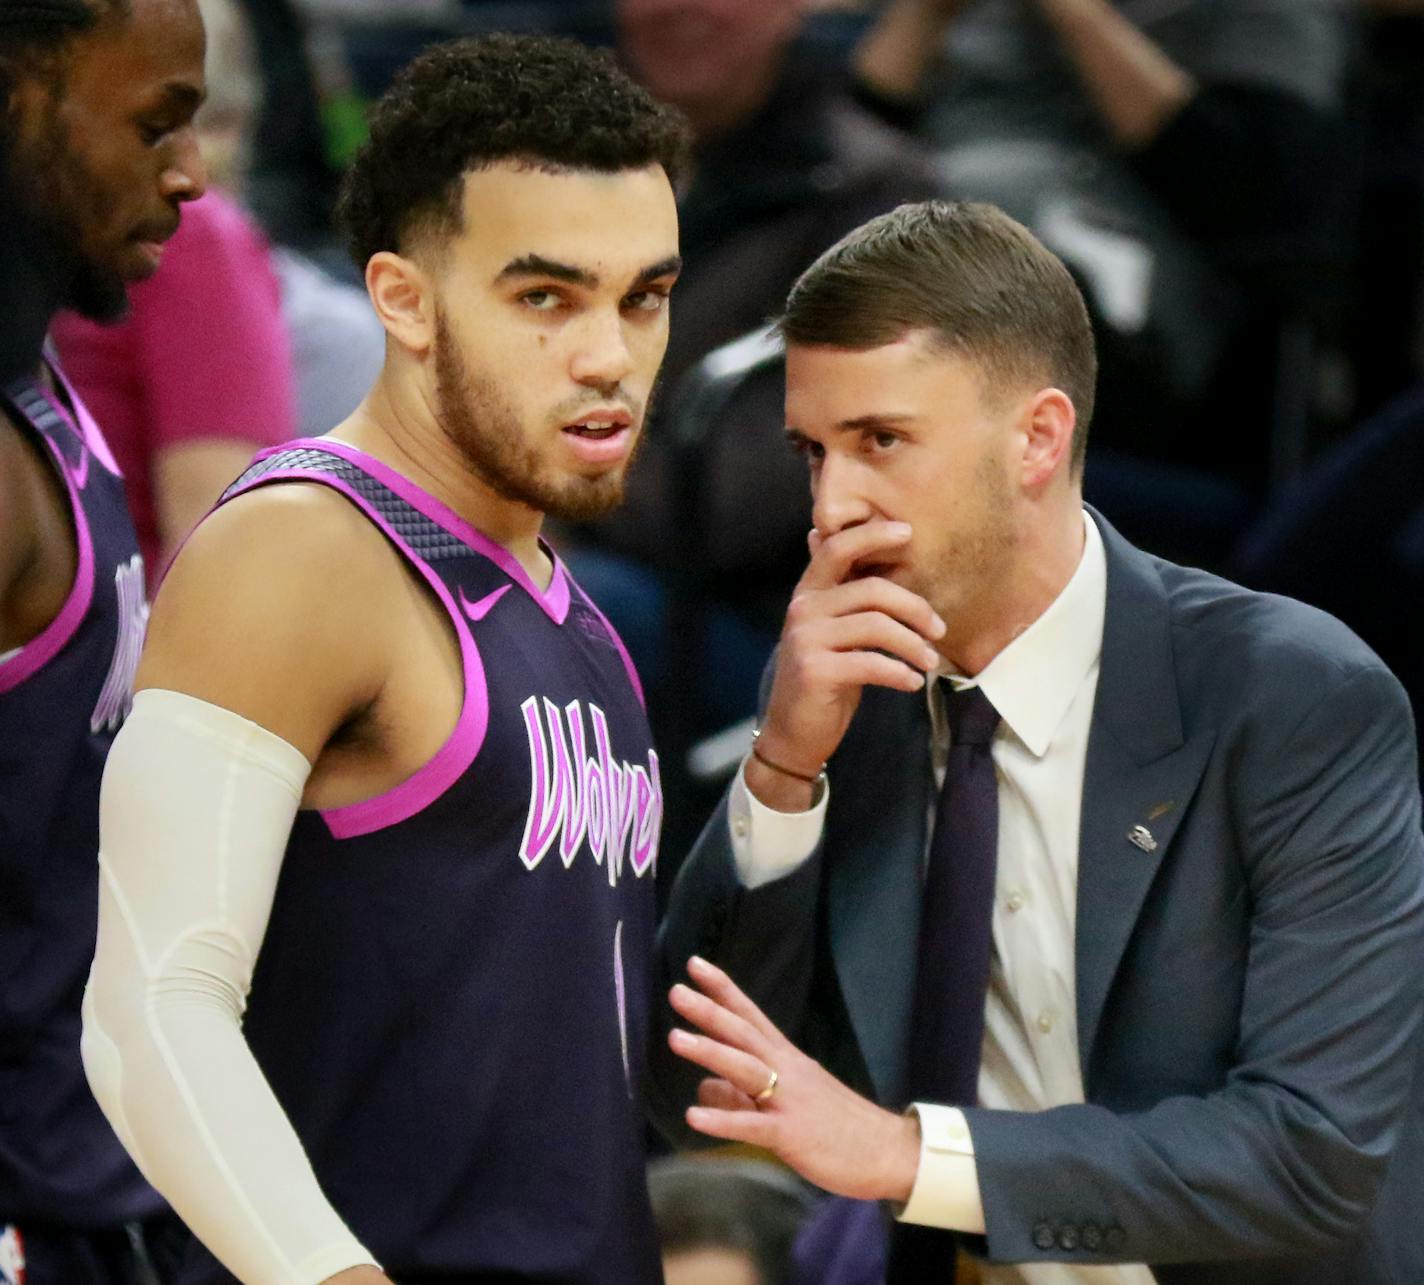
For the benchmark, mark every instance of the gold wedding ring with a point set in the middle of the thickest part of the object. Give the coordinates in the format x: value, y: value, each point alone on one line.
x: 765, y: 1095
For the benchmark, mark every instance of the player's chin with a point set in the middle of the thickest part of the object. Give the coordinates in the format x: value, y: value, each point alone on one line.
x: 588, y: 499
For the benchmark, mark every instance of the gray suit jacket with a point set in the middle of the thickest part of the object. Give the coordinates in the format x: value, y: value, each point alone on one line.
x: 1248, y: 993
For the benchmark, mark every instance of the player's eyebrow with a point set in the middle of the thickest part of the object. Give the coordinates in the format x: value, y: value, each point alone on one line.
x: 668, y: 267
x: 536, y: 265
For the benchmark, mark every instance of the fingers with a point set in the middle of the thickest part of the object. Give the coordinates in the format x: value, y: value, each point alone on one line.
x: 833, y: 556
x: 874, y: 631
x: 874, y: 596
x: 718, y: 984
x: 721, y: 1096
x: 718, y: 1021
x: 744, y: 1075
x: 756, y: 1128
x: 876, y: 593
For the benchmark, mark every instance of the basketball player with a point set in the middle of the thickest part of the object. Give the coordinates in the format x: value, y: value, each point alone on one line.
x: 96, y: 155
x: 388, y: 772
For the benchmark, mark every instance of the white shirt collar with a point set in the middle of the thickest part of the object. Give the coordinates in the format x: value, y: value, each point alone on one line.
x: 1034, y: 680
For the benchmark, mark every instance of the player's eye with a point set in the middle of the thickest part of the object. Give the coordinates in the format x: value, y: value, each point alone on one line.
x: 646, y: 300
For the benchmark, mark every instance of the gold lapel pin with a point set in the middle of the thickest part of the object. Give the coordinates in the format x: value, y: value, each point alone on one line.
x: 1141, y: 837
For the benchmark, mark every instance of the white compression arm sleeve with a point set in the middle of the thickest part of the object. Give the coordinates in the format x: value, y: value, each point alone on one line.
x: 195, y: 811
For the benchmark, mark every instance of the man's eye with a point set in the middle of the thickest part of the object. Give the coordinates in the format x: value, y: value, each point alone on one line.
x: 151, y: 133
x: 647, y: 300
x: 807, y: 449
x: 883, y: 441
x: 541, y: 300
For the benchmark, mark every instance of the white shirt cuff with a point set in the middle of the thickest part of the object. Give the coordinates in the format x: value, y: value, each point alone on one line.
x: 946, y: 1191
x: 767, y: 844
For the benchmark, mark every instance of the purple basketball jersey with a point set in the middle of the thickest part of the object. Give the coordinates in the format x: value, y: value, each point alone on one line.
x: 62, y: 698
x: 451, y: 1002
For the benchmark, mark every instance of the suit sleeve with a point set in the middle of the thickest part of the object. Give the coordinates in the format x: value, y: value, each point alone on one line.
x: 1287, y: 1156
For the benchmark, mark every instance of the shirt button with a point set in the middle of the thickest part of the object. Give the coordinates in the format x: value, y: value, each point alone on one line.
x: 1045, y: 1021
x: 1014, y: 901
x: 740, y: 827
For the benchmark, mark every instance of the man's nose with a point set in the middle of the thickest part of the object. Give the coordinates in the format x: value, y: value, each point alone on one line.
x: 838, y: 499
x: 185, y: 177
x: 602, y: 356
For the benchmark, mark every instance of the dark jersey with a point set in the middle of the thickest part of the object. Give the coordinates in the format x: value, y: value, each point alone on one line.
x: 62, y: 698
x: 451, y: 1001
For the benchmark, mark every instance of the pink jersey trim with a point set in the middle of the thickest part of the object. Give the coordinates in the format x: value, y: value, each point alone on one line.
x: 87, y: 427
x: 450, y: 762
x: 554, y: 600
x: 622, y: 650
x: 51, y: 640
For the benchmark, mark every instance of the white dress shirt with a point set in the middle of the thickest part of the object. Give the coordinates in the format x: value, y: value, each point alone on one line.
x: 1043, y: 685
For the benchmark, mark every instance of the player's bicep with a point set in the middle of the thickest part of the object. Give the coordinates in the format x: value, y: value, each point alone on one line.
x: 268, y: 612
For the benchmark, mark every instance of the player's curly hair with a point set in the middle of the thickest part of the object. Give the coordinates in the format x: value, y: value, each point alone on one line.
x: 33, y: 32
x: 468, y: 103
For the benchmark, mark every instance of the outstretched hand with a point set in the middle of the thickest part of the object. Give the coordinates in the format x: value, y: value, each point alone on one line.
x: 830, y: 1135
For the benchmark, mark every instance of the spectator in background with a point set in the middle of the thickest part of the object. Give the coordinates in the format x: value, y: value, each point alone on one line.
x: 726, y: 1221
x: 337, y: 344
x: 1114, y: 128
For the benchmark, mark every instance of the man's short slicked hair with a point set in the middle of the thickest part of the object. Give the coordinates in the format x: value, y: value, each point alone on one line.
x: 466, y: 104
x: 981, y: 284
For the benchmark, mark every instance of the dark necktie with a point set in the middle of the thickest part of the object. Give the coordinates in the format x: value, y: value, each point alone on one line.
x: 955, y: 946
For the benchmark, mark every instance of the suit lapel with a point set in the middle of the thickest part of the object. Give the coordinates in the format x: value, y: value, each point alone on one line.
x: 1140, y: 776
x: 880, y: 790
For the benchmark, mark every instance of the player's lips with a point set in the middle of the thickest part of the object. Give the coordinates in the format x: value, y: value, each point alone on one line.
x: 602, y: 435
x: 152, y: 252
x: 149, y: 241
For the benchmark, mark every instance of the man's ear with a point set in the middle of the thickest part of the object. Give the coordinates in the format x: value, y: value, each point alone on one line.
x: 1049, y: 418
x: 402, y: 295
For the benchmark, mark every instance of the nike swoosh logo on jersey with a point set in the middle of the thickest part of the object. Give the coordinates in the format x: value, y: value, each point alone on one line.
x: 479, y: 610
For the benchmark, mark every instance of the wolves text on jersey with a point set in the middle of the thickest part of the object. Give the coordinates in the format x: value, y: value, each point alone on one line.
x: 576, y: 794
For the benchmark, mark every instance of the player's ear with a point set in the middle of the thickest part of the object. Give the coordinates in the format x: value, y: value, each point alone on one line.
x: 404, y: 300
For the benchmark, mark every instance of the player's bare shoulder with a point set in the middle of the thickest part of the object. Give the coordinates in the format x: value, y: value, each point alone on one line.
x: 278, y: 608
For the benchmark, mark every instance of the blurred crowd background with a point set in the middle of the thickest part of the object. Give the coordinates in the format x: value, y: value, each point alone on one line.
x: 1243, y: 204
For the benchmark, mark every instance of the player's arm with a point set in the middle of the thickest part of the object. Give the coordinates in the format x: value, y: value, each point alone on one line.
x: 259, y: 649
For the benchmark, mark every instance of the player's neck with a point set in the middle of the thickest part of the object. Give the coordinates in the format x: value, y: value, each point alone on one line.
x: 403, y: 432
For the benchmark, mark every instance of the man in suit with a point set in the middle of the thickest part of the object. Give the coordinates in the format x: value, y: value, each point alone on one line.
x: 1109, y: 870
